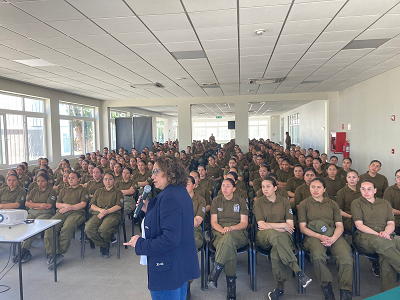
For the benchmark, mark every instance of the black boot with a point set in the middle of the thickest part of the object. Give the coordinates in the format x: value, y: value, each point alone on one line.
x: 328, y: 292
x: 215, y: 272
x: 231, y: 286
x: 188, y: 291
x: 345, y: 295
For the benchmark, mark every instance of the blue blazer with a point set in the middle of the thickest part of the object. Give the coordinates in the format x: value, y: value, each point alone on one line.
x: 169, y: 245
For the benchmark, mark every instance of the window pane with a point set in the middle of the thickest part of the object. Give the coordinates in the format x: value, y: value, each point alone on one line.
x: 15, y: 139
x: 88, y: 112
x: 263, y: 122
x: 77, y: 128
x: 75, y: 110
x: 113, y: 138
x: 63, y: 109
x: 113, y: 114
x: 2, y: 142
x: 89, y: 136
x: 10, y: 102
x: 253, y: 122
x: 34, y: 105
x: 35, y: 138
x: 65, y: 132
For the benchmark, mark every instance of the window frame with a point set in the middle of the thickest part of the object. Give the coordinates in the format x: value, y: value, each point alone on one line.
x: 112, y: 123
x: 25, y: 115
x: 71, y: 130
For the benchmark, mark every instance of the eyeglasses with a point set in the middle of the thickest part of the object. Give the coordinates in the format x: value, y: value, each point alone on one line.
x: 155, y: 171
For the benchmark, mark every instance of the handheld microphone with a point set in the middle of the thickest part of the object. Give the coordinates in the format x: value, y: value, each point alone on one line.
x: 147, y: 190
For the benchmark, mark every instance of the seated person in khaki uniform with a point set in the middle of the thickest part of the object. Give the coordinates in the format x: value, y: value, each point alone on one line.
x: 317, y: 165
x: 380, y: 181
x: 126, y: 185
x: 85, y: 168
x: 87, y: 177
x: 64, y: 183
x: 142, y: 177
x: 293, y: 183
x: 346, y: 196
x: 229, y: 219
x: 214, y: 171
x: 263, y: 171
x: 284, y: 173
x: 333, y: 182
x: 346, y: 166
x: 23, y: 178
x: 19, y: 183
x: 105, y: 208
x: 374, y: 220
x: 303, y: 191
x: 201, y: 191
x: 118, y: 171
x: 12, y: 196
x: 40, y: 203
x: 71, y: 203
x: 392, y: 194
x: 2, y: 180
x: 320, y: 221
x: 274, y: 218
x: 239, y: 192
x: 97, y: 182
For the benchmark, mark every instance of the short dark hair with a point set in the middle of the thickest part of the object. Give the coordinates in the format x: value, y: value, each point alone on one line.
x: 192, y: 179
x: 271, y: 179
x: 348, y: 158
x: 320, y: 180
x: 310, y: 169
x: 317, y: 158
x: 231, y: 181
x: 370, y: 181
x: 375, y: 160
x: 235, y: 175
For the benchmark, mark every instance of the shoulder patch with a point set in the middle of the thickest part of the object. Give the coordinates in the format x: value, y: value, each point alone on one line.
x: 290, y: 211
x: 53, y: 197
x: 87, y: 196
x: 203, y: 209
x: 220, y: 209
x: 122, y: 200
x: 23, y: 197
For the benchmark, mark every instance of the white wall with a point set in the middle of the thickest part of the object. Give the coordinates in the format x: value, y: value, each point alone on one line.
x: 53, y: 142
x: 368, y: 106
x: 275, y: 127
x: 312, y: 124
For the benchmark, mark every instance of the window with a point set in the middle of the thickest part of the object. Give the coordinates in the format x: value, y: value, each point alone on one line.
x: 294, y: 128
x: 258, y: 129
x: 22, y: 129
x: 203, y: 130
x: 77, y: 129
x: 160, y: 131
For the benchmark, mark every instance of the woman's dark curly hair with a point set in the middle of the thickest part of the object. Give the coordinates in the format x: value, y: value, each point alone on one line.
x: 173, y: 168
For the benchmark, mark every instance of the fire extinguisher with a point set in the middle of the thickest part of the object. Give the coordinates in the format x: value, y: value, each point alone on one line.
x: 346, y: 149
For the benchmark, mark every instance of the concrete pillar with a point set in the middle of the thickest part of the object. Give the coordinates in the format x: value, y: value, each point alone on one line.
x: 184, y: 125
x: 242, y: 125
x: 275, y: 127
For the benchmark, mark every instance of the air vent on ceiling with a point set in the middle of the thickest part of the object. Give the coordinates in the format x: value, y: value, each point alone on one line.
x: 311, y: 81
x: 145, y: 86
x: 365, y: 44
x: 265, y: 80
x: 209, y: 85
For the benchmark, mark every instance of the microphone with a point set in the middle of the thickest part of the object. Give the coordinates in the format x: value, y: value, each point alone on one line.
x: 147, y: 190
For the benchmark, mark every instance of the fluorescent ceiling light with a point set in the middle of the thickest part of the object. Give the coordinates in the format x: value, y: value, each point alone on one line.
x: 189, y: 54
x: 146, y: 86
x: 311, y: 81
x: 265, y: 80
x: 365, y: 44
x: 209, y: 85
x: 35, y: 62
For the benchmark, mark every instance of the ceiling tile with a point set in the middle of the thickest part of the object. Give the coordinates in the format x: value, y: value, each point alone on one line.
x: 51, y: 10
x: 211, y: 33
x: 256, y: 51
x: 121, y: 24
x: 24, y: 44
x: 262, y: 41
x: 174, y: 36
x: 305, y: 26
x: 10, y: 14
x: 166, y: 22
x: 102, y: 8
x: 216, y: 18
x: 6, y: 34
x: 77, y: 27
x: 366, y: 7
x: 308, y: 11
x: 35, y: 30
x: 251, y: 3
x: 207, y: 5
x: 220, y: 44
x: 183, y: 46
x: 380, y: 33
x: 155, y: 7
x: 351, y: 23
x: 297, y: 38
x: 135, y: 38
x: 264, y: 14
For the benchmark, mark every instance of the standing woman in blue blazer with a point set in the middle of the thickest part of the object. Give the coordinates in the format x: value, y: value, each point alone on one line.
x: 169, y: 233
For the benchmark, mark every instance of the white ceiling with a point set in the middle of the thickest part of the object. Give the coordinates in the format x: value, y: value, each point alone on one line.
x: 101, y: 47
x: 227, y: 110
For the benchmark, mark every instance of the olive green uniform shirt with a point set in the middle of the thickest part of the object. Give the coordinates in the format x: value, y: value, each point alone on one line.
x: 16, y: 196
x: 303, y: 192
x: 229, y: 211
x: 257, y: 184
x: 392, y: 194
x: 283, y: 175
x: 73, y: 196
x: 374, y: 215
x: 204, y: 193
x: 214, y: 172
x: 82, y: 173
x: 342, y: 173
x: 327, y: 211
x: 25, y: 180
x: 94, y: 185
x: 293, y: 183
x: 346, y: 196
x: 206, y: 183
x: 333, y: 186
x: 49, y: 195
x: 117, y: 178
x: 323, y: 174
x: 105, y: 199
x: 137, y: 177
x: 199, y: 206
x: 221, y: 163
x: 122, y: 185
x: 254, y: 175
x: 241, y: 193
x: 241, y: 185
x: 280, y: 191
x: 242, y: 163
x: 2, y: 179
x: 61, y: 186
x: 86, y: 178
x: 381, y: 183
x: 273, y: 212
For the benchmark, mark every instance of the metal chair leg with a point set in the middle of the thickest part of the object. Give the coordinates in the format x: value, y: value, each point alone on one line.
x: 83, y: 240
x: 124, y: 231
x: 119, y: 242
x: 202, y: 267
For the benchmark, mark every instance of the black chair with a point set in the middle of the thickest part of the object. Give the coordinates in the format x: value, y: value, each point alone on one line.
x: 267, y: 253
x: 305, y: 253
x: 82, y: 229
x: 202, y: 259
x: 210, y: 253
x: 130, y: 216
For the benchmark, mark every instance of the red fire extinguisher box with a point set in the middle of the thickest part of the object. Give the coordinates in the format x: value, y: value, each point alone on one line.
x: 337, y: 140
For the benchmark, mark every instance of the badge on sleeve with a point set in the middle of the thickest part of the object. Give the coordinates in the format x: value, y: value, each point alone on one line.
x: 53, y: 197
x: 87, y: 196
x: 203, y: 209
x: 22, y: 198
x: 323, y: 229
x: 290, y: 211
x: 236, y: 207
x: 219, y: 209
x: 122, y: 200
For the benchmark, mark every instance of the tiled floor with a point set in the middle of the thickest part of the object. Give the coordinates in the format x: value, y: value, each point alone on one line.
x: 95, y: 277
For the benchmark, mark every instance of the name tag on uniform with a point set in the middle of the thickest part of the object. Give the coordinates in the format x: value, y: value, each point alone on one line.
x: 159, y: 264
x: 219, y: 209
x: 236, y: 207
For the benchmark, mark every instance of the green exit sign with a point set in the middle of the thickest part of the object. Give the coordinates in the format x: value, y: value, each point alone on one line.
x: 219, y: 117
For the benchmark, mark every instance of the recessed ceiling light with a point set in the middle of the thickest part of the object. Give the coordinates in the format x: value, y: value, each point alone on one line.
x: 365, y: 44
x: 147, y: 86
x: 35, y: 62
x: 311, y: 81
x: 209, y: 85
x: 260, y: 31
x: 189, y: 54
x: 265, y: 80
x: 181, y: 78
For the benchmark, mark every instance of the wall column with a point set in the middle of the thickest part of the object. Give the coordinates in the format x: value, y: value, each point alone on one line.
x: 275, y: 127
x: 242, y: 125
x: 184, y: 125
